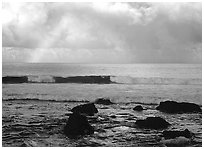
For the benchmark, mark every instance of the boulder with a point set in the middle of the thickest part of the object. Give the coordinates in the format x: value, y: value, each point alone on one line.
x: 76, y: 125
x: 88, y: 109
x: 173, y: 134
x: 104, y: 101
x: 176, y: 142
x: 176, y: 107
x: 138, y: 108
x: 152, y: 123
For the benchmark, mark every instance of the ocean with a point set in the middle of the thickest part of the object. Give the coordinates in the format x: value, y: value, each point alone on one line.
x: 37, y: 99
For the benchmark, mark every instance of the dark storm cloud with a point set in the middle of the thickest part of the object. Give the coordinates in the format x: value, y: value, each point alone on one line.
x: 103, y: 32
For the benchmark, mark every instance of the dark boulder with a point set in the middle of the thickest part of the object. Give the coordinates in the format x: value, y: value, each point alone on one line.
x: 176, y: 107
x: 88, y: 109
x: 152, y: 123
x: 138, y: 108
x: 173, y: 134
x: 113, y: 116
x: 104, y: 101
x: 77, y: 125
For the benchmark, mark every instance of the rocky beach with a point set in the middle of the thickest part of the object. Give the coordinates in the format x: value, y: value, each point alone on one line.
x: 32, y: 122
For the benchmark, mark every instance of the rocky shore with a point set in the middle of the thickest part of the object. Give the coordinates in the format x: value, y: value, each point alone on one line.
x: 100, y: 123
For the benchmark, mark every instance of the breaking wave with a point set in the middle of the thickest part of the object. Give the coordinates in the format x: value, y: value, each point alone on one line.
x: 100, y: 80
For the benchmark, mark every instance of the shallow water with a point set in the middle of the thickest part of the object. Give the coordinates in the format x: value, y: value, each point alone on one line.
x: 119, y: 93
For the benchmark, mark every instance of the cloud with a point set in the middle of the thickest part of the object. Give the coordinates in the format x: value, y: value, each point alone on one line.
x: 102, y: 32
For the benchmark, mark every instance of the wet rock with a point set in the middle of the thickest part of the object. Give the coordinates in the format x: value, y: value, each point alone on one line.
x: 77, y: 125
x: 173, y: 134
x: 152, y: 123
x: 177, y: 142
x: 138, y: 108
x: 113, y: 116
x: 88, y: 109
x: 176, y: 107
x: 104, y: 101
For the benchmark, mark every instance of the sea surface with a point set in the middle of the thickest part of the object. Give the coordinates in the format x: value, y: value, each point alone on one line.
x: 35, y: 111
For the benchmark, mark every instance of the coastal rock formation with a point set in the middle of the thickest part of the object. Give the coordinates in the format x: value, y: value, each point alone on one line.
x: 138, y: 108
x: 104, y: 101
x: 173, y: 134
x: 176, y: 107
x: 88, y: 109
x: 77, y: 124
x: 152, y: 123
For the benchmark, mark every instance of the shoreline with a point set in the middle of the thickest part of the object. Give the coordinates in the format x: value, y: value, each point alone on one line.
x: 40, y: 123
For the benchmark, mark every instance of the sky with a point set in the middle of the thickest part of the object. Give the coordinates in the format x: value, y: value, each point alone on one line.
x: 102, y: 32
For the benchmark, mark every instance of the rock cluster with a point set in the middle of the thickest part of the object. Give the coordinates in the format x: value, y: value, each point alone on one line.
x: 78, y: 123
